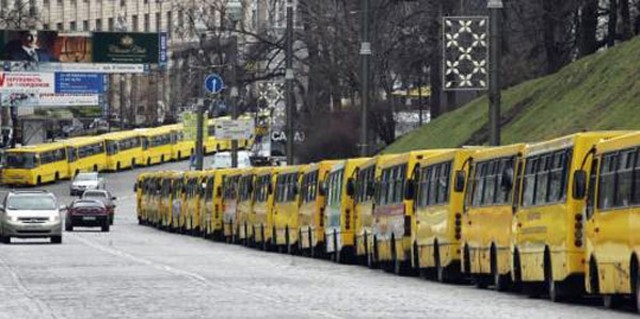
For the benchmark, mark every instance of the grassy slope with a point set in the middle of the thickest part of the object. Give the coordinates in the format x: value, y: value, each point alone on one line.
x: 601, y: 91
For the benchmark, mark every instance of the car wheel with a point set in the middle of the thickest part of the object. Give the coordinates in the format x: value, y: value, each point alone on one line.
x: 56, y: 239
x: 105, y: 227
x: 68, y: 227
x: 111, y: 220
x: 5, y: 239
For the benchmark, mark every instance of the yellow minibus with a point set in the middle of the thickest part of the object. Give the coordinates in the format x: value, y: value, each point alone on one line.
x: 86, y: 154
x: 488, y: 214
x: 340, y: 211
x: 312, y: 209
x: 262, y: 206
x: 547, y: 240
x: 284, y: 235
x: 124, y: 150
x: 34, y: 165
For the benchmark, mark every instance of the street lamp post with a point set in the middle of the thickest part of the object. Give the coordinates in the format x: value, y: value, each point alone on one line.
x: 495, y: 8
x: 365, y: 53
x: 234, y: 10
x: 289, y: 77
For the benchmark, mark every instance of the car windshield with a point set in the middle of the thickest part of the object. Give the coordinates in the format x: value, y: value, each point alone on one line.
x: 20, y: 160
x: 30, y: 202
x: 86, y: 177
x: 94, y: 194
x: 87, y: 203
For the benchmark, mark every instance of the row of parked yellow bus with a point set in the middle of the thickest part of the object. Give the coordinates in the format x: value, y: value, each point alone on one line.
x: 556, y: 218
x: 50, y: 162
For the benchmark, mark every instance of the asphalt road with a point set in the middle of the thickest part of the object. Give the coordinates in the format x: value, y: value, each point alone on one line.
x: 139, y: 272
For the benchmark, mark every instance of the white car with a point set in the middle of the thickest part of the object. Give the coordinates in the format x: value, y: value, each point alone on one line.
x: 30, y: 214
x: 223, y: 160
x: 84, y: 181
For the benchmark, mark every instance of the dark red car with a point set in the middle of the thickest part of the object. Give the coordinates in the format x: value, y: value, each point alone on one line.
x: 87, y: 213
x: 105, y: 197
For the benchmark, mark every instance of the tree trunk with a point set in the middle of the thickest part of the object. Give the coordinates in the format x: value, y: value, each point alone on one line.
x: 549, y: 33
x: 588, y: 24
x: 626, y: 20
x: 613, y: 23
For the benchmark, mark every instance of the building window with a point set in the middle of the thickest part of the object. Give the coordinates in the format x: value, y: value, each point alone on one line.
x: 134, y: 22
x: 146, y: 22
x: 158, y: 21
x: 45, y: 2
x: 123, y: 3
x: 45, y: 26
x: 98, y: 24
x: 85, y: 25
x: 72, y: 26
x: 110, y: 24
x: 59, y: 26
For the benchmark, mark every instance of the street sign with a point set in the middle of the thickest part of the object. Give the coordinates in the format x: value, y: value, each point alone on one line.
x: 213, y: 83
x: 235, y: 129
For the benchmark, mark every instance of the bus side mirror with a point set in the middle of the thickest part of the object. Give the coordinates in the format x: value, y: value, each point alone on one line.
x: 219, y: 191
x: 579, y: 184
x: 410, y: 189
x: 295, y: 189
x: 351, y: 189
x: 270, y: 189
x: 461, y: 176
x: 506, y: 182
x: 250, y: 188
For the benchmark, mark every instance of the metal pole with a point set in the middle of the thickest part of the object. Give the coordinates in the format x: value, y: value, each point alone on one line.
x: 122, y: 101
x: 420, y: 99
x: 199, y: 134
x: 365, y: 53
x: 14, y: 122
x: 289, y: 81
x: 234, y: 97
x: 495, y: 8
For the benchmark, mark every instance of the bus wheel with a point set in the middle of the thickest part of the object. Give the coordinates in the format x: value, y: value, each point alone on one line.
x: 612, y: 301
x: 264, y: 242
x: 287, y: 241
x: 179, y: 155
x: 594, y: 280
x: 95, y: 168
x: 397, y: 264
x: 500, y: 282
x: 148, y: 161
x: 133, y: 163
x: 635, y: 282
x: 118, y: 167
x: 312, y: 246
x: 39, y: 181
x: 161, y: 159
x: 56, y: 177
x: 553, y: 287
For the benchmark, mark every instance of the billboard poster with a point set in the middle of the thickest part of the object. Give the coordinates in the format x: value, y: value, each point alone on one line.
x: 18, y: 66
x: 126, y: 47
x: 80, y: 83
x: 51, y: 100
x: 46, y: 46
x: 11, y: 82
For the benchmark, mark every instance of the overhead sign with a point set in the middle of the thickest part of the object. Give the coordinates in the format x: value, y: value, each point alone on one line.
x: 46, y: 46
x: 235, y: 129
x: 22, y: 66
x: 51, y: 100
x: 11, y: 82
x: 80, y: 83
x: 213, y: 84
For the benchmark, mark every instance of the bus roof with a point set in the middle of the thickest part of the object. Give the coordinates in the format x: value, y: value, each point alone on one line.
x: 448, y: 155
x: 83, y: 140
x: 618, y: 143
x: 36, y: 148
x: 415, y: 155
x: 498, y: 151
x: 569, y: 141
x: 119, y: 135
x: 291, y: 169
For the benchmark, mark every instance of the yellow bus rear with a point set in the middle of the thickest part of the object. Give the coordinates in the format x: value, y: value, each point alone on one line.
x: 285, y: 208
x: 312, y: 209
x: 340, y: 211
x: 206, y: 203
x: 437, y: 229
x: 547, y: 248
x: 488, y: 214
x: 35, y: 165
x: 157, y: 145
x: 211, y: 144
x: 86, y: 154
x: 165, y: 200
x: 124, y: 150
x: 612, y: 221
x: 366, y: 175
x: 229, y: 201
x: 393, y: 215
x: 140, y: 190
x: 177, y: 200
x: 244, y: 211
x: 263, y: 205
x: 190, y: 220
